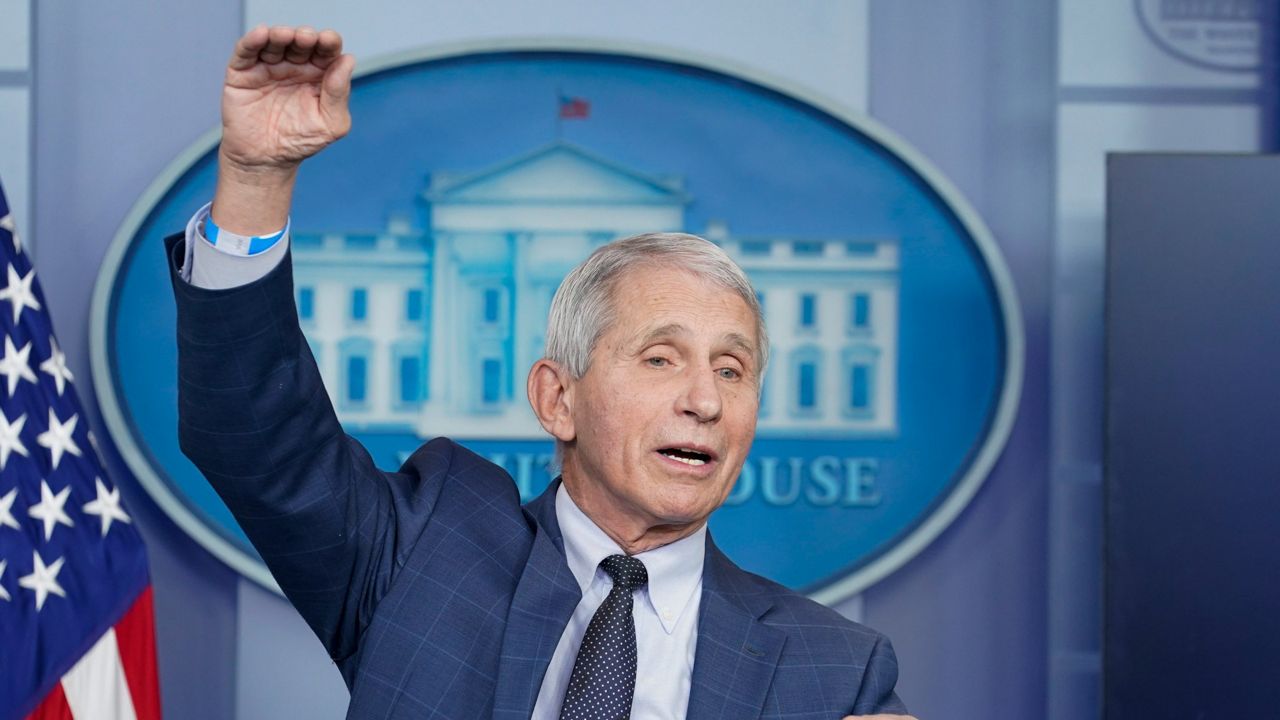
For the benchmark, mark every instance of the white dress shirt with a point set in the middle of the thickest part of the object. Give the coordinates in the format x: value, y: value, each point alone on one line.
x: 666, y: 614
x: 666, y: 609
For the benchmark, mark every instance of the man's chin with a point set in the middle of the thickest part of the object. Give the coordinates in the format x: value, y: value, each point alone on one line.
x: 683, y: 513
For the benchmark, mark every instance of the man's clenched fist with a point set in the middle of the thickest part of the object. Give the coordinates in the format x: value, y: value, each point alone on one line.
x: 285, y: 96
x: 284, y: 99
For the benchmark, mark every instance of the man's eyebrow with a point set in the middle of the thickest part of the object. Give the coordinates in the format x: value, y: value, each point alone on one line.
x: 664, y: 331
x: 740, y: 342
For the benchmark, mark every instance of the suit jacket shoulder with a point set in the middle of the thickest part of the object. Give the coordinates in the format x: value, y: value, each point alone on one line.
x: 824, y: 664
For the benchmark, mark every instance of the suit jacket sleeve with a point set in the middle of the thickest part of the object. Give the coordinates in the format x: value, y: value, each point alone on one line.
x: 879, y: 679
x: 255, y: 418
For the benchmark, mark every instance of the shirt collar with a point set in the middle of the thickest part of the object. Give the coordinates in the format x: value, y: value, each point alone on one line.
x: 675, y: 570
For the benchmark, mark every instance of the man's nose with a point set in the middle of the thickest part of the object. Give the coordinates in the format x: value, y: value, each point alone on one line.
x: 701, y: 396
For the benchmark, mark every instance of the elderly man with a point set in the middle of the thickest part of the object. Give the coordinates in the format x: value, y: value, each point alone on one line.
x: 433, y: 590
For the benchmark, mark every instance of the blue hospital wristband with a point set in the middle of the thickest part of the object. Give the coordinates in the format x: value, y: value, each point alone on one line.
x: 244, y: 246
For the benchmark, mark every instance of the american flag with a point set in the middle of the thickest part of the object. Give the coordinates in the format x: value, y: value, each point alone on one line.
x: 77, y: 637
x: 574, y: 107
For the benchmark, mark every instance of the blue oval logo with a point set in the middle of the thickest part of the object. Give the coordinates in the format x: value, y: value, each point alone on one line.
x: 429, y: 242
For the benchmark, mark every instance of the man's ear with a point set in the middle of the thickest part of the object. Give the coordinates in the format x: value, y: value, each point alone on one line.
x: 551, y: 396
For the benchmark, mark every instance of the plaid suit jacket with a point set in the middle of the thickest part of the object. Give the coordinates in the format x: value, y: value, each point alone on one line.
x: 436, y: 593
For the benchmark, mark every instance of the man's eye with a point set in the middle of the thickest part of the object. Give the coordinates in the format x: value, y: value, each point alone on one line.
x: 729, y: 373
x: 658, y: 362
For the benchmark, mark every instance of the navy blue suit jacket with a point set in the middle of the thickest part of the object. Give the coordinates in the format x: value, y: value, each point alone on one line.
x: 436, y: 593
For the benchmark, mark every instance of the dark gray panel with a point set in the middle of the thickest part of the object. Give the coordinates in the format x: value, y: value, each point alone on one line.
x: 1192, y: 558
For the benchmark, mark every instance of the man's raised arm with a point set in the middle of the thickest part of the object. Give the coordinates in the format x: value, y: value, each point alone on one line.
x: 253, y: 414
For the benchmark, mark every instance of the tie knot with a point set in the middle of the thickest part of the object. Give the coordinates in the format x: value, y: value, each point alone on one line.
x: 627, y: 572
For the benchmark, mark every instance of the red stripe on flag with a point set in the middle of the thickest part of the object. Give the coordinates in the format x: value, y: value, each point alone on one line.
x: 136, y: 639
x: 53, y: 707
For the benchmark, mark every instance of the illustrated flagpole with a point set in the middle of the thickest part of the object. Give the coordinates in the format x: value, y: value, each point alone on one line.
x: 559, y: 113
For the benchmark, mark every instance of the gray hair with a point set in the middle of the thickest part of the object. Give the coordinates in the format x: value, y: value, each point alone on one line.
x: 582, y: 310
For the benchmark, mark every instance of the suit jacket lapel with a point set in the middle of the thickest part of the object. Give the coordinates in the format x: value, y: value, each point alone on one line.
x: 544, y: 601
x: 736, y: 653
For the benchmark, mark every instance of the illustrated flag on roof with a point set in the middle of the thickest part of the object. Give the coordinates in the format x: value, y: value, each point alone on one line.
x: 574, y: 107
x: 77, y: 636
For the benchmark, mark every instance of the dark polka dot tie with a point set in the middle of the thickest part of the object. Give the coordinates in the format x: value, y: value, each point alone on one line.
x: 604, y: 673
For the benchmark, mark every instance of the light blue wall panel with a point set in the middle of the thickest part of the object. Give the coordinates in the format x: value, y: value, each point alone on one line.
x: 975, y: 95
x: 15, y: 35
x: 15, y: 110
x: 820, y: 44
x: 120, y: 89
x: 15, y: 152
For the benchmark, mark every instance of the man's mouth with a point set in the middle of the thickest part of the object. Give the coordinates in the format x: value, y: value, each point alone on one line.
x: 688, y: 456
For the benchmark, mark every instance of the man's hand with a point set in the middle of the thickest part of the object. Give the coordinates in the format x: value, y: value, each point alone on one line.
x: 285, y: 97
x: 284, y: 100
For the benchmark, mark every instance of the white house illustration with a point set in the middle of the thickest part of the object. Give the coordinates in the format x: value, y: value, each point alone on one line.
x: 431, y: 330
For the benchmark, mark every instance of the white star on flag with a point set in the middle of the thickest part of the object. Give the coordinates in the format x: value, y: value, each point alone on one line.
x: 6, y: 509
x: 15, y: 365
x: 49, y: 509
x: 56, y: 366
x: 9, y: 437
x: 43, y: 579
x: 7, y: 223
x: 107, y: 506
x: 4, y: 594
x: 18, y: 292
x: 58, y: 437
